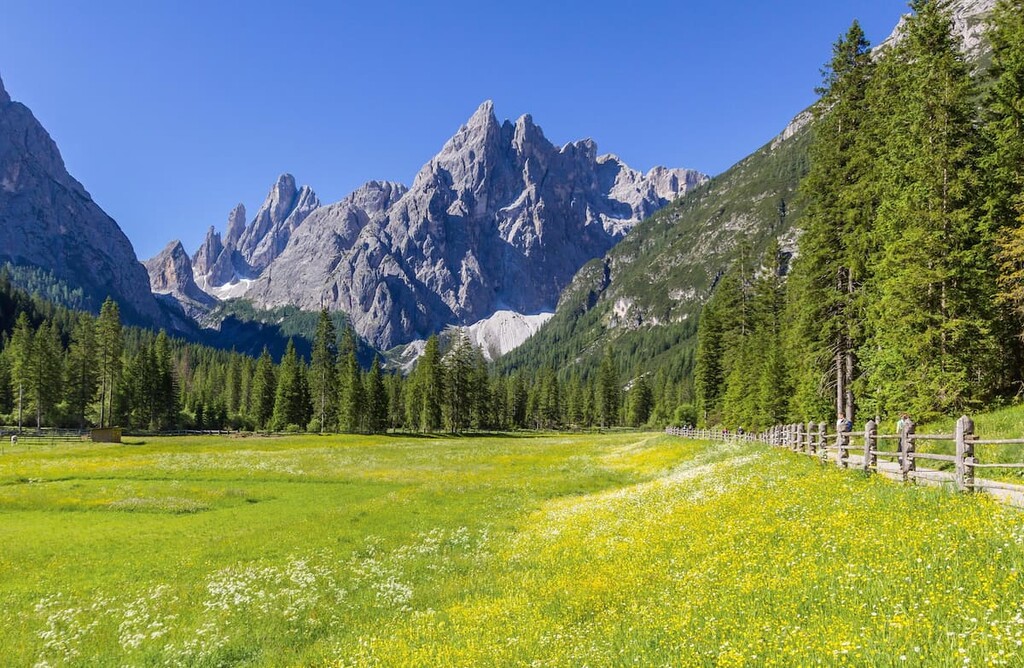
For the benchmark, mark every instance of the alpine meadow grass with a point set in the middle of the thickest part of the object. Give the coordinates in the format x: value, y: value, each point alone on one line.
x: 550, y: 550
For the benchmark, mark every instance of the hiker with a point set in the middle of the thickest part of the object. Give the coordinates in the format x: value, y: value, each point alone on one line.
x: 902, y: 423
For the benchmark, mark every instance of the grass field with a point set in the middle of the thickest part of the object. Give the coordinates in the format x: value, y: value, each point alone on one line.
x: 625, y: 549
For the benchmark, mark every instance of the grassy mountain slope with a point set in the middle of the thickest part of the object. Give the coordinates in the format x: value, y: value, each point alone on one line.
x: 643, y: 298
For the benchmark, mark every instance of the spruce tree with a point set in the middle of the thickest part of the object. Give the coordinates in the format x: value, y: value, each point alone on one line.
x: 458, y: 380
x: 376, y: 399
x: 20, y: 348
x: 82, y: 373
x: 109, y: 347
x: 608, y: 390
x: 641, y: 402
x: 264, y: 390
x: 931, y: 347
x: 288, y: 409
x: 47, y: 371
x: 830, y: 269
x: 430, y: 374
x: 353, y: 399
x: 1003, y: 160
x: 323, y: 373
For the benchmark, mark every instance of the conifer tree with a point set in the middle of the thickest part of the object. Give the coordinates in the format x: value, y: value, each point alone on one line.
x: 47, y: 371
x: 323, y: 373
x: 931, y: 347
x: 608, y: 391
x: 1003, y: 160
x: 109, y: 347
x: 264, y: 391
x: 288, y: 400
x: 830, y: 268
x: 430, y: 374
x: 641, y: 402
x: 166, y: 390
x: 20, y: 348
x: 458, y: 382
x: 376, y: 399
x: 82, y: 375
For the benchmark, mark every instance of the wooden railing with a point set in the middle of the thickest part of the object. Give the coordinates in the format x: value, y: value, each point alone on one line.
x: 893, y: 455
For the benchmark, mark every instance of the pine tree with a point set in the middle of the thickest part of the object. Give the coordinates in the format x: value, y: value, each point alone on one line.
x: 457, y: 385
x: 82, y: 374
x: 641, y: 402
x: 323, y: 373
x: 109, y: 348
x: 930, y: 348
x: 353, y: 399
x: 288, y: 400
x: 166, y: 399
x: 430, y: 374
x: 264, y: 391
x: 47, y: 371
x: 771, y: 375
x: 830, y: 268
x: 609, y: 391
x: 376, y: 399
x: 1003, y: 160
x: 21, y: 364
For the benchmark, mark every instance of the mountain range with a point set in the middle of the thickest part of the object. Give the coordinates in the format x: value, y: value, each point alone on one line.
x: 502, y: 231
x: 499, y: 220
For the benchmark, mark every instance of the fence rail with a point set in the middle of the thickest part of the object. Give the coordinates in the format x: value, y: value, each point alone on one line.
x: 860, y: 449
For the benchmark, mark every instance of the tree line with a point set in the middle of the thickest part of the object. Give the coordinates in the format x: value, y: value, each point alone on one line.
x: 72, y: 369
x: 907, y: 292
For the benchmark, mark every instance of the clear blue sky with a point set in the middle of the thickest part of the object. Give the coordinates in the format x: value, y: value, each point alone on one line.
x: 170, y: 113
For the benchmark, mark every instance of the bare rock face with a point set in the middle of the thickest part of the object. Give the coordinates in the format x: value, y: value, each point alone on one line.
x: 499, y: 219
x: 247, y: 250
x: 48, y: 220
x: 236, y: 226
x: 170, y: 273
x: 969, y: 25
x: 283, y: 211
x: 208, y: 252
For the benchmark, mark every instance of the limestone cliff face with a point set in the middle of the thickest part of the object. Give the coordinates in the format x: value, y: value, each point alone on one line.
x: 499, y: 219
x: 246, y: 250
x: 170, y: 274
x: 48, y: 220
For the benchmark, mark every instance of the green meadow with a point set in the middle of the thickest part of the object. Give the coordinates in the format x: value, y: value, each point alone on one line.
x: 544, y: 550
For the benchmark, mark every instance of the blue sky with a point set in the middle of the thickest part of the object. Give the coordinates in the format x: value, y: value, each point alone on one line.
x: 170, y: 113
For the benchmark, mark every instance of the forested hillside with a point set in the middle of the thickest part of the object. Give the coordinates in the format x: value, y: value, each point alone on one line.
x: 67, y: 368
x: 642, y: 300
x: 908, y: 290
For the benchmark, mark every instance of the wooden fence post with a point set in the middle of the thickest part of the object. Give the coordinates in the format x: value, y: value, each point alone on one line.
x: 821, y: 436
x: 907, y: 447
x: 870, y: 458
x: 965, y: 454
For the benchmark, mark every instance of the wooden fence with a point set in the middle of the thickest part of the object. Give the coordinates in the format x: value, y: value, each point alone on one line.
x: 893, y: 455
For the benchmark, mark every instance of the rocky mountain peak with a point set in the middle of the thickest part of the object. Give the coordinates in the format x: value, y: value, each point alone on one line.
x: 483, y: 117
x: 236, y: 226
x: 48, y: 220
x: 499, y: 219
x: 375, y: 197
x: 281, y: 197
x: 171, y: 277
x: 208, y: 252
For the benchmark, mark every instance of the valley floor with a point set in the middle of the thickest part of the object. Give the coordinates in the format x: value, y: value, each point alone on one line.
x: 624, y: 549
